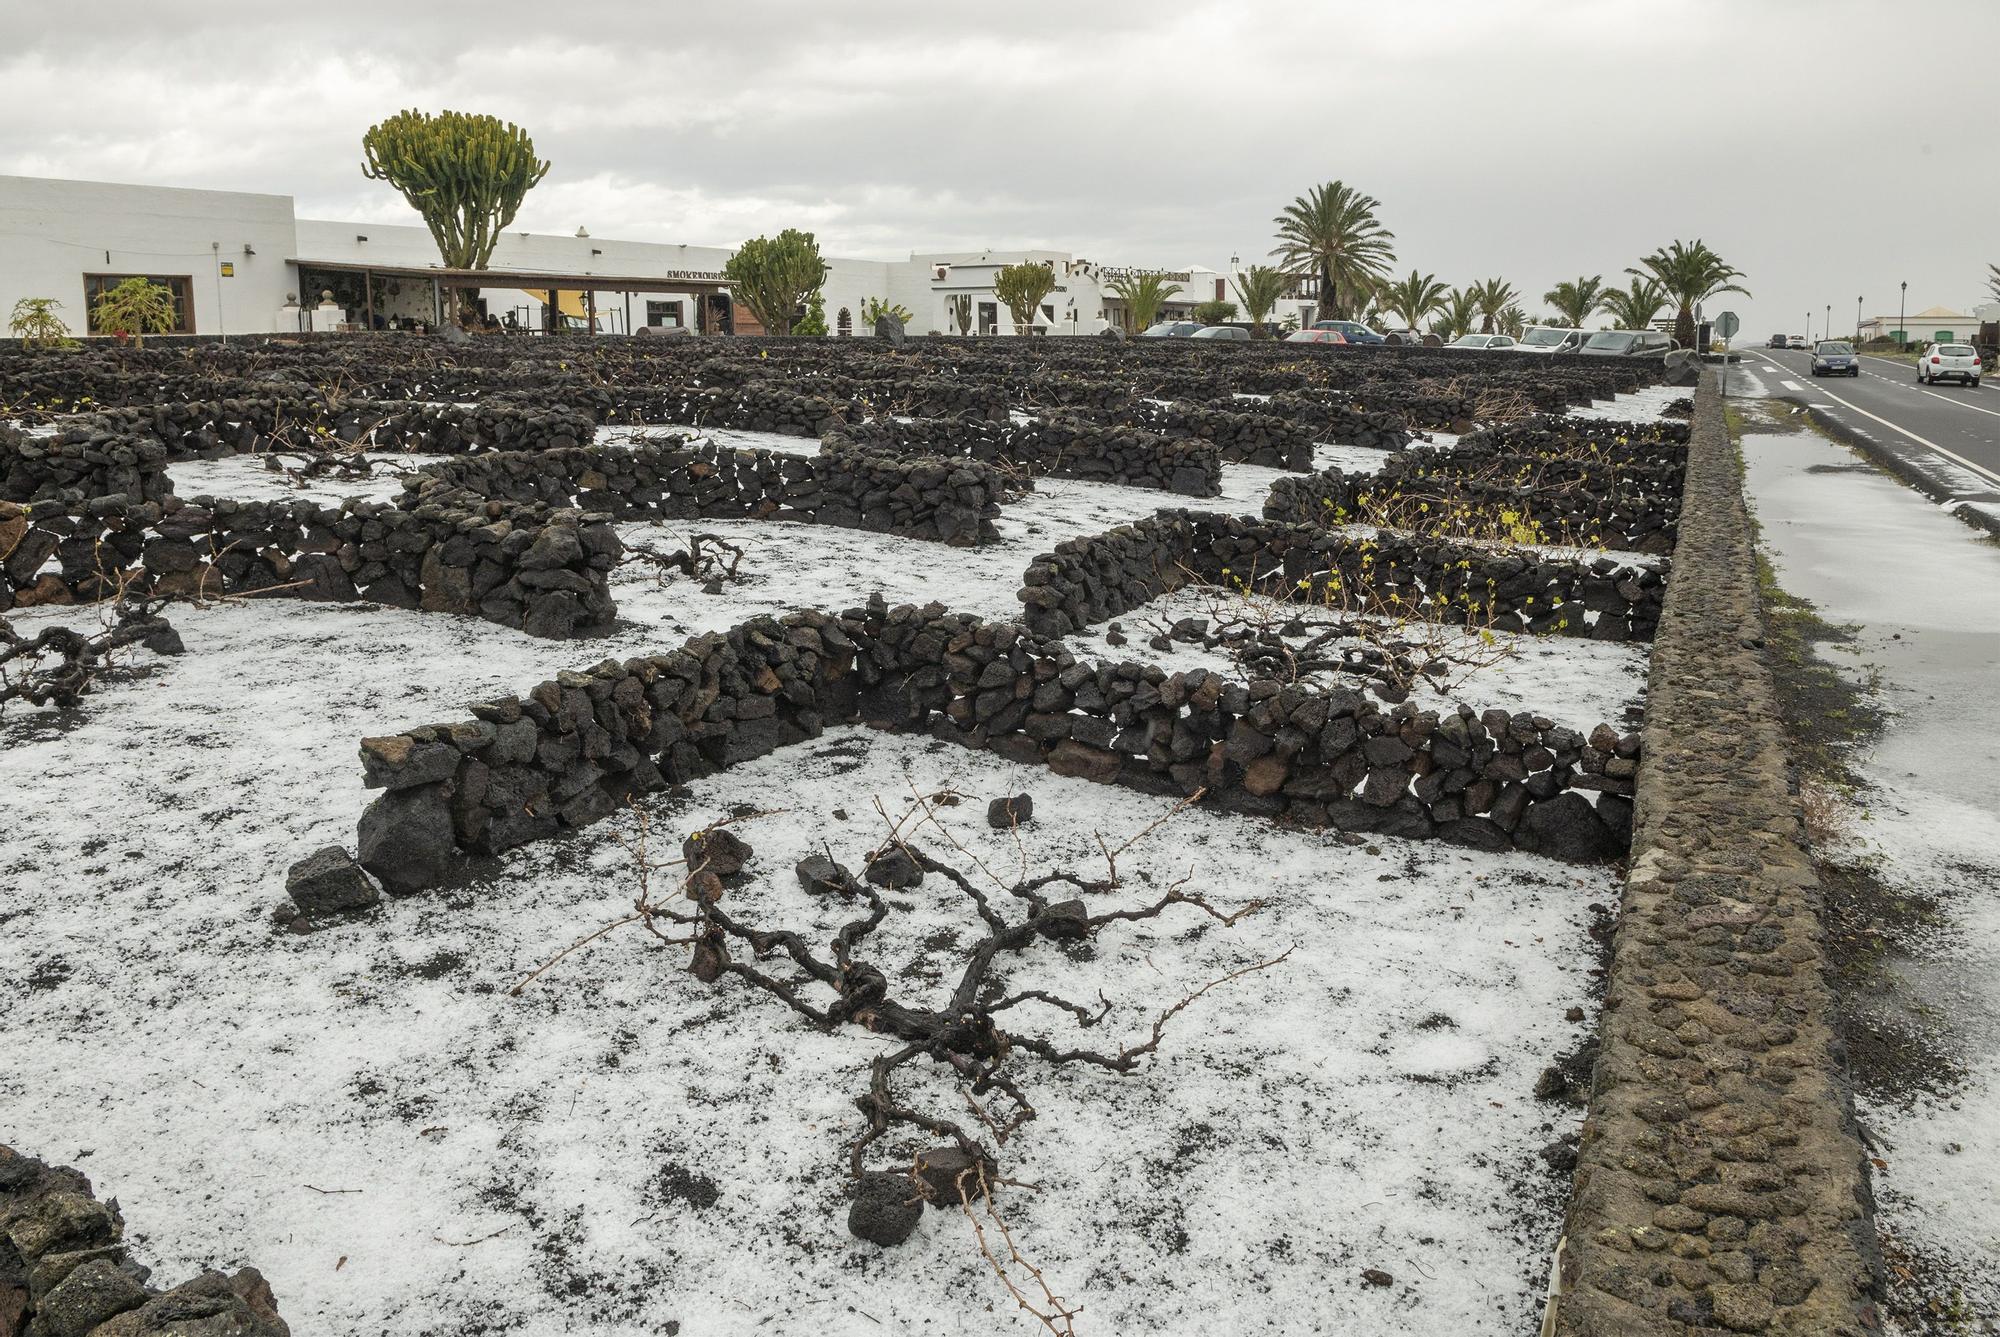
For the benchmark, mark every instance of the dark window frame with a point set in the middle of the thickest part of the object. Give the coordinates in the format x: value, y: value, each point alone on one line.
x: 94, y: 283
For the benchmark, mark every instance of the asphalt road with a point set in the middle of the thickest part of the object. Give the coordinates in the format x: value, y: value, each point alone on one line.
x: 1948, y: 433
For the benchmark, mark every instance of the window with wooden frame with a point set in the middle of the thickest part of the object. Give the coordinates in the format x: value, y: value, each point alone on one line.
x: 180, y: 287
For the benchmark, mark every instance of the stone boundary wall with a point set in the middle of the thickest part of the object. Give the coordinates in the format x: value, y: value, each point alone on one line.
x: 927, y: 497
x: 571, y: 751
x: 1243, y: 438
x: 1056, y: 445
x: 93, y: 463
x: 65, y: 1271
x: 1632, y: 507
x: 533, y: 567
x: 1086, y: 581
x: 1720, y: 1184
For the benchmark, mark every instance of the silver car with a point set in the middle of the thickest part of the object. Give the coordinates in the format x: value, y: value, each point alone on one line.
x: 1227, y: 333
x: 1549, y: 339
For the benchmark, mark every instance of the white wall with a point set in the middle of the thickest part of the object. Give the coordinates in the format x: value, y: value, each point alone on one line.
x: 52, y: 233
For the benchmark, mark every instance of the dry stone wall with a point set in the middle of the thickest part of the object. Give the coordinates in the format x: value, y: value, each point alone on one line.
x: 573, y: 750
x: 65, y: 1270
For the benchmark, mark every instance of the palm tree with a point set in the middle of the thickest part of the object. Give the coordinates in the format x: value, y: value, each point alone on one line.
x: 1993, y: 281
x: 1144, y: 292
x: 1412, y: 299
x: 1576, y: 302
x: 1492, y: 297
x: 1332, y: 234
x: 1456, y: 313
x: 1690, y: 274
x: 1261, y: 287
x: 1513, y: 320
x: 1634, y: 309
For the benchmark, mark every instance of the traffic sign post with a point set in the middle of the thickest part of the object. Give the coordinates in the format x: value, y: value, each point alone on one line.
x: 1726, y: 325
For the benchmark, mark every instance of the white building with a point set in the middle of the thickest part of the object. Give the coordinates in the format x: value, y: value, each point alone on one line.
x: 241, y: 263
x: 1934, y: 325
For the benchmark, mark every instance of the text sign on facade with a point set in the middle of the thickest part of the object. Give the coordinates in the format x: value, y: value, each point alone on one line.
x: 228, y: 269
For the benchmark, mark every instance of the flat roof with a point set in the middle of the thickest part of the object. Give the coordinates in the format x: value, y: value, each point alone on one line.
x: 528, y: 278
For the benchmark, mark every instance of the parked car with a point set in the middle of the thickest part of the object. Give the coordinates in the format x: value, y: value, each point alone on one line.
x: 1172, y: 329
x: 1228, y: 333
x: 1831, y: 357
x: 1949, y: 362
x: 1410, y: 337
x: 1315, y: 336
x: 1488, y: 342
x: 1549, y: 339
x: 1627, y: 343
x: 1797, y: 341
x: 1352, y: 331
x: 1778, y: 341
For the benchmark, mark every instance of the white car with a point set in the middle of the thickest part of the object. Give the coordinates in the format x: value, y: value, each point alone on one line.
x: 1949, y: 362
x: 1549, y: 339
x: 1797, y: 341
x: 1488, y: 342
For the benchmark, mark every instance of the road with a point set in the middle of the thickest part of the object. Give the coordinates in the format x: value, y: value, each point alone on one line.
x: 1950, y: 434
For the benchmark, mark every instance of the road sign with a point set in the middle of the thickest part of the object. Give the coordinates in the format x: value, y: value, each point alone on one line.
x: 1727, y: 324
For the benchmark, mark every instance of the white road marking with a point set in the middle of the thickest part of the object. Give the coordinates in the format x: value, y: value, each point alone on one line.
x: 1793, y: 385
x: 1952, y: 455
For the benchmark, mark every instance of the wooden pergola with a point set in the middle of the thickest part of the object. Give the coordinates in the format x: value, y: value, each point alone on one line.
x: 700, y: 284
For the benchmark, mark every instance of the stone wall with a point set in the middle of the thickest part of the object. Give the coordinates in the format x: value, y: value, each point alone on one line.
x: 93, y: 461
x: 1089, y: 580
x: 1057, y: 445
x: 1720, y: 1184
x: 531, y: 566
x: 571, y: 751
x: 65, y: 1270
x: 947, y: 501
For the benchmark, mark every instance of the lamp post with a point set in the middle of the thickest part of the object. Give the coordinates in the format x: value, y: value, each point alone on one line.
x: 1826, y: 331
x: 1902, y: 339
x: 1857, y: 322
x: 1808, y: 329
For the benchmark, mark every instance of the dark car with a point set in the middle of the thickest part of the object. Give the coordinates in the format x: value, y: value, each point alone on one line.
x: 1351, y: 330
x: 1834, y: 358
x: 1777, y: 341
x: 1627, y: 343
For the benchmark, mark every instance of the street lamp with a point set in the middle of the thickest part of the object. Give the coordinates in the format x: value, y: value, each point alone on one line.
x: 1902, y: 338
x: 1826, y: 332
x: 1808, y: 327
x: 1857, y: 322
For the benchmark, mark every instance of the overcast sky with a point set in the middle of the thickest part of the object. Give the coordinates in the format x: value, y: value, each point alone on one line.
x: 1830, y: 149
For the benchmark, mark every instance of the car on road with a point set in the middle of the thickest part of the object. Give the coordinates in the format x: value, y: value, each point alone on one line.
x: 1549, y: 339
x: 1949, y: 362
x: 1778, y: 341
x: 1627, y: 343
x: 1172, y: 329
x: 1315, y: 336
x: 1831, y: 357
x: 1797, y: 341
x: 1226, y: 333
x: 1486, y: 342
x: 1351, y: 330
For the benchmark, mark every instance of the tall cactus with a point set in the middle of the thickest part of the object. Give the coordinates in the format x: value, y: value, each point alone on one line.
x: 777, y: 277
x: 465, y: 173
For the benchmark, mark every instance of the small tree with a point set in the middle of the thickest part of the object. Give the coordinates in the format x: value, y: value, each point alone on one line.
x: 36, y: 324
x: 776, y: 276
x: 813, y: 322
x: 1215, y: 312
x: 1144, y: 293
x: 1456, y: 314
x: 1513, y: 320
x: 464, y: 173
x: 1492, y: 297
x: 874, y: 308
x: 1021, y: 289
x: 1574, y: 302
x: 1635, y: 308
x: 1412, y: 299
x: 135, y: 307
x: 1261, y: 287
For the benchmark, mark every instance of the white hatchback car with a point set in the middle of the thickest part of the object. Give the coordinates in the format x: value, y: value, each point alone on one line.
x: 1489, y: 342
x: 1949, y: 362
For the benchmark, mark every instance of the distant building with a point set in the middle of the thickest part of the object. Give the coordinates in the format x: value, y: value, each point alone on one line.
x: 1936, y: 325
x: 240, y: 263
